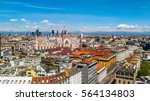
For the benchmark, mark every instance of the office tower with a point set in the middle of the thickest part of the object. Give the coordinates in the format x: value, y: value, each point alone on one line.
x: 37, y: 32
x: 53, y: 32
x: 57, y: 33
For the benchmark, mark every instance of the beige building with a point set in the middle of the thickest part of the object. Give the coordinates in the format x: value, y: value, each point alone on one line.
x: 126, y: 75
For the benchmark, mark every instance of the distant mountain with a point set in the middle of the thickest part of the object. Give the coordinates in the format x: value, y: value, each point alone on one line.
x: 112, y: 33
x: 88, y: 33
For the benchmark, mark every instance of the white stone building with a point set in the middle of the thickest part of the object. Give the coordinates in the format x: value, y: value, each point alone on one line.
x: 15, y: 80
x: 49, y: 42
x: 89, y: 71
x: 101, y: 74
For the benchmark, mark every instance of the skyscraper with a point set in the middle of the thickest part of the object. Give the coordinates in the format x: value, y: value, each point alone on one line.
x: 37, y: 32
x: 57, y: 33
x: 53, y: 32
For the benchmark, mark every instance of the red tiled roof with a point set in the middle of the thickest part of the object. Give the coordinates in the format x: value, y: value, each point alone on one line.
x: 54, y: 79
x: 86, y: 62
x: 60, y: 51
x: 80, y: 53
x: 99, y: 66
x: 104, y: 56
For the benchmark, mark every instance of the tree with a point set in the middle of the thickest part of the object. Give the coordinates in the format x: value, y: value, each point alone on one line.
x: 144, y: 70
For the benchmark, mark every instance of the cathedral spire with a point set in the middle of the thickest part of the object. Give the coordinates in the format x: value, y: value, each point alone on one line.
x: 65, y: 30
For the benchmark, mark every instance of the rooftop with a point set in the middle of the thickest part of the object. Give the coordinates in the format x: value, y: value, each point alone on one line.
x: 60, y: 51
x: 133, y: 59
x: 99, y: 67
x: 126, y: 70
x: 53, y: 79
x: 103, y: 57
x: 71, y: 71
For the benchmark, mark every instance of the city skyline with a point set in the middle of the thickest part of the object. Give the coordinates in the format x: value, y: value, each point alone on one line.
x: 79, y: 15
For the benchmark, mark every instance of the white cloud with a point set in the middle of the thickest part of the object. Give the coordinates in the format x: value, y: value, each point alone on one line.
x: 13, y: 20
x: 23, y: 19
x: 51, y: 24
x: 45, y: 21
x: 41, y: 7
x: 58, y: 25
x: 30, y: 6
x: 135, y: 28
x: 125, y: 26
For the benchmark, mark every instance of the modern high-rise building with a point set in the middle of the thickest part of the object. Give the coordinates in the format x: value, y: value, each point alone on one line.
x: 53, y: 32
x: 57, y: 33
x: 37, y: 32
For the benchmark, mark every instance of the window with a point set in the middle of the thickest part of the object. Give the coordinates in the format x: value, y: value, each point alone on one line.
x: 3, y: 82
x: 47, y: 81
x: 7, y: 81
x: 43, y: 81
x: 11, y: 81
x: 16, y: 81
x: 119, y: 81
x: 34, y: 82
x: 38, y: 81
x: 29, y: 81
x: 20, y: 81
x: 24, y: 81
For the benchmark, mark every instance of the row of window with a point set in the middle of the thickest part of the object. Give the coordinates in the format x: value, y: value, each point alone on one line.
x: 124, y: 77
x: 15, y: 81
x: 124, y: 82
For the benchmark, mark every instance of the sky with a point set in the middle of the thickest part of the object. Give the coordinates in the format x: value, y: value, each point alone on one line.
x: 76, y: 15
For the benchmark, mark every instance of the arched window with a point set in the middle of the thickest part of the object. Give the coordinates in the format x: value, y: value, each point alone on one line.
x: 66, y: 43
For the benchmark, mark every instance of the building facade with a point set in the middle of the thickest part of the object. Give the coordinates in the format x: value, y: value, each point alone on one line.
x: 15, y: 80
x: 126, y: 75
x: 50, y: 42
x: 101, y: 72
x: 89, y: 71
x: 68, y: 76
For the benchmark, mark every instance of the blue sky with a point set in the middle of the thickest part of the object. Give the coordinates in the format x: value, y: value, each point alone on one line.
x: 77, y: 15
